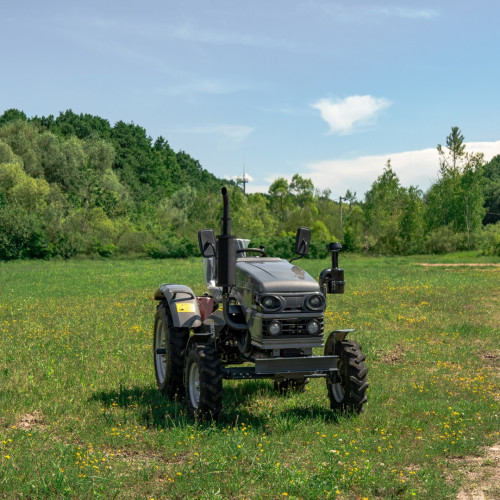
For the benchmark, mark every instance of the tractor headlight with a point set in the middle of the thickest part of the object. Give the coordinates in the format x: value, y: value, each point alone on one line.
x: 315, y: 302
x: 313, y: 327
x: 270, y: 303
x: 274, y: 328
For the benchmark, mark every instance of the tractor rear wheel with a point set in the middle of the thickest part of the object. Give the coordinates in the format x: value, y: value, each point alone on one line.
x: 347, y: 387
x: 203, y: 381
x: 169, y: 345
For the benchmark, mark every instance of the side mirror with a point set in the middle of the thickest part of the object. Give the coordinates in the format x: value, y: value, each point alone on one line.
x: 206, y: 240
x: 302, y: 241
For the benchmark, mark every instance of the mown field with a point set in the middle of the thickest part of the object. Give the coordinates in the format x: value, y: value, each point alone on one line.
x: 80, y: 416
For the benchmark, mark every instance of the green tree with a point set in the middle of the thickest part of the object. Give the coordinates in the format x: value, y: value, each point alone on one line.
x: 22, y: 137
x: 279, y: 192
x: 251, y: 215
x: 393, y: 215
x: 302, y: 189
x: 12, y: 115
x: 21, y: 190
x: 99, y: 156
x: 6, y: 154
x: 354, y: 236
x: 492, y: 191
x: 23, y: 201
x: 457, y: 198
x: 455, y: 149
x: 383, y: 212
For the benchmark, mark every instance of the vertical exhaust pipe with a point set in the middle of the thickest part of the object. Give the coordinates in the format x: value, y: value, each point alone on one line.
x: 226, y: 249
x: 226, y: 262
x: 226, y: 220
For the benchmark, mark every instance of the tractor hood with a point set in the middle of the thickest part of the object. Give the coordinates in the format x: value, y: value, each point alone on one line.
x: 266, y: 275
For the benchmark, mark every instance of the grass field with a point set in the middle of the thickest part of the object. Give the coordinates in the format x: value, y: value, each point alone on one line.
x: 80, y: 416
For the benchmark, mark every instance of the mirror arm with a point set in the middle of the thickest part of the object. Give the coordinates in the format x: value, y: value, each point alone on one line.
x: 209, y: 243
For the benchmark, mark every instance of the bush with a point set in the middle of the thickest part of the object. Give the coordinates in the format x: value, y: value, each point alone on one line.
x: 104, y: 249
x: 488, y: 240
x: 174, y: 247
x: 133, y: 242
x: 22, y: 235
x: 444, y: 240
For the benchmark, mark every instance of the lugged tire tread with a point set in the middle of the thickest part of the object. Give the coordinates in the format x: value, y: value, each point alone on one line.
x: 177, y: 339
x: 210, y: 372
x: 354, y: 378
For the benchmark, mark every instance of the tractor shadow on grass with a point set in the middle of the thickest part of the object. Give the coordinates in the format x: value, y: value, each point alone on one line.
x: 155, y: 410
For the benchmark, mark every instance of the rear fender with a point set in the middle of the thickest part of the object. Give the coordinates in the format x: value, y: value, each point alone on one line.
x: 182, y: 304
x: 333, y: 338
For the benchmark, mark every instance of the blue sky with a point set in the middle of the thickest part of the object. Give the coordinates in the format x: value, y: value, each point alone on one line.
x: 326, y: 89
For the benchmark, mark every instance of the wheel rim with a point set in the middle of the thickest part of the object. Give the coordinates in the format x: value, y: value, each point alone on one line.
x: 338, y: 391
x: 194, y: 385
x: 161, y: 359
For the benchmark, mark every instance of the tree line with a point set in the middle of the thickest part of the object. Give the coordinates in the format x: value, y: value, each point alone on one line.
x: 75, y: 185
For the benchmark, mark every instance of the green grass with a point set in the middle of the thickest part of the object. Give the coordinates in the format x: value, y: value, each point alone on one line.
x: 80, y: 416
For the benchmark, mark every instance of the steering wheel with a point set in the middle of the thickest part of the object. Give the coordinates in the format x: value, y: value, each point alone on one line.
x: 256, y: 250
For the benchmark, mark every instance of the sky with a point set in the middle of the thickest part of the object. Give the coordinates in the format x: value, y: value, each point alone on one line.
x: 326, y: 89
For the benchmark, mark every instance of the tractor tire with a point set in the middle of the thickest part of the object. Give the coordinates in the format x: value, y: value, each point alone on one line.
x: 347, y: 387
x: 203, y: 381
x: 169, y: 346
x: 291, y: 384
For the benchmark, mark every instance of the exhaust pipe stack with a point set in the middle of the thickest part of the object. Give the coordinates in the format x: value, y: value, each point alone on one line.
x: 226, y: 263
x: 226, y: 250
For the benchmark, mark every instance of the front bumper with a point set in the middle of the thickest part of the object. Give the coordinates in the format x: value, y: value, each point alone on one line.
x: 279, y: 367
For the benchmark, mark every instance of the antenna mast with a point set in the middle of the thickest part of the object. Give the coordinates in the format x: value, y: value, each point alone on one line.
x: 244, y: 181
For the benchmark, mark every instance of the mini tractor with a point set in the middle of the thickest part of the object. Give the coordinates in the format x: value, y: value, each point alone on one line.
x: 262, y: 317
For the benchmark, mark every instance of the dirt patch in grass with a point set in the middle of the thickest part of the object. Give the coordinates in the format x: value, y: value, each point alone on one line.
x: 481, y: 475
x: 32, y: 420
x: 395, y: 356
x: 491, y: 358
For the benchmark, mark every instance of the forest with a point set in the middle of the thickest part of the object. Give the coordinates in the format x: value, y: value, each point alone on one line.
x: 75, y: 185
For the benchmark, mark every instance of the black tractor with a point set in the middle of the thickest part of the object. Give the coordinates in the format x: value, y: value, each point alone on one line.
x: 262, y: 317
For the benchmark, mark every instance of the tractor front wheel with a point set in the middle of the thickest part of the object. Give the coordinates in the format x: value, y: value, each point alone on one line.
x: 169, y: 345
x: 347, y: 387
x: 203, y: 381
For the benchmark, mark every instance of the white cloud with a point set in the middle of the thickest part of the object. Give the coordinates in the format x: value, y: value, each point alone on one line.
x: 414, y: 168
x: 258, y: 188
x: 249, y: 178
x: 358, y: 174
x: 342, y: 115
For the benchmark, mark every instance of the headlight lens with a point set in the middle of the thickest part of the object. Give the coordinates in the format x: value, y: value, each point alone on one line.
x: 315, y: 302
x: 313, y: 327
x: 274, y: 328
x: 270, y: 303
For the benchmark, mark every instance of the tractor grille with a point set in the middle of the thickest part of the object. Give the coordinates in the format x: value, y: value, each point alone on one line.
x: 294, y: 327
x: 293, y: 303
